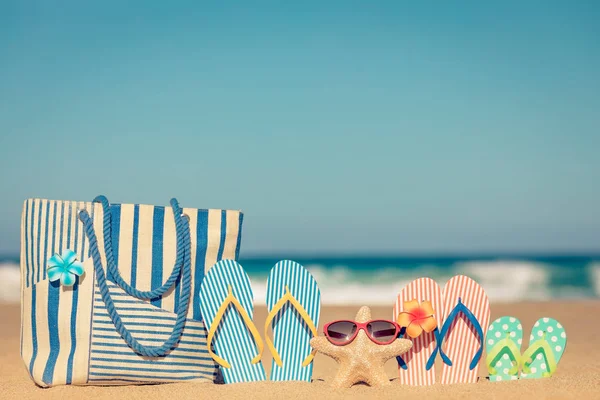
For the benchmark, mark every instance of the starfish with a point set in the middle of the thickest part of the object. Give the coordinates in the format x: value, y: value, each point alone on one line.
x: 362, y: 360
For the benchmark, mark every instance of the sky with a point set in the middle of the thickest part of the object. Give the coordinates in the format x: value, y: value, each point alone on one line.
x: 337, y: 127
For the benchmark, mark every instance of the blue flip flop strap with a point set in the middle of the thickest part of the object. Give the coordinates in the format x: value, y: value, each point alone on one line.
x: 401, y: 363
x: 431, y: 361
x: 460, y: 307
x: 438, y: 349
x: 400, y: 360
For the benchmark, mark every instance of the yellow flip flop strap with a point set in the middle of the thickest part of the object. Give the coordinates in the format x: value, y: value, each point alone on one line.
x: 230, y: 299
x: 547, y: 352
x: 276, y: 308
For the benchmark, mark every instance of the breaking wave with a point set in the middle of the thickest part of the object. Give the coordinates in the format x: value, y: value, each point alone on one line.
x: 503, y: 281
x: 377, y: 282
x: 10, y: 279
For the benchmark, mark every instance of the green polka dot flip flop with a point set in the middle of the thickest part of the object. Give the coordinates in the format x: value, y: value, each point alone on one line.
x: 546, y: 346
x: 503, y: 348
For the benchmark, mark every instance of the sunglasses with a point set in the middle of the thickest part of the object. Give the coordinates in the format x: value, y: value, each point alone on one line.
x: 341, y: 333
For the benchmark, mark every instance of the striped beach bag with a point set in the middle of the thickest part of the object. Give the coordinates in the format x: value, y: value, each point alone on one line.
x: 110, y: 292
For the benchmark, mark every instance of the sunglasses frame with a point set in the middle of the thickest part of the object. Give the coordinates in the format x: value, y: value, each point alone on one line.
x: 362, y: 326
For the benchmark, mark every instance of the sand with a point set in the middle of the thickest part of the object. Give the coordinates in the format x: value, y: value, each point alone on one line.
x: 578, y: 374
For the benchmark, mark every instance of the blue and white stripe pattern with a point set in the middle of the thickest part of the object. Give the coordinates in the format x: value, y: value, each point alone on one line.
x: 54, y: 318
x: 113, y: 361
x: 232, y: 341
x: 56, y: 321
x: 291, y: 335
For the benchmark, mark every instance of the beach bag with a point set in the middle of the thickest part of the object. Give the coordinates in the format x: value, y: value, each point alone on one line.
x: 110, y: 292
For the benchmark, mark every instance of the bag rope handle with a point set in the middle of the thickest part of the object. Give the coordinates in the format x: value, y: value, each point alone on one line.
x: 113, y: 270
x: 183, y: 242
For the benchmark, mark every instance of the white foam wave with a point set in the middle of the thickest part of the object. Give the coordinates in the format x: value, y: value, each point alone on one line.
x: 503, y: 281
x: 510, y: 280
x: 595, y: 275
x: 349, y: 294
x: 10, y: 278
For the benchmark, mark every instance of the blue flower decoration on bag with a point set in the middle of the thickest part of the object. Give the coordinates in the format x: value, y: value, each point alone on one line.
x: 64, y: 267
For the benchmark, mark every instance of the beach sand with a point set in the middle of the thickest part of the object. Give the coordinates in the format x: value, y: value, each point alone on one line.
x: 578, y: 374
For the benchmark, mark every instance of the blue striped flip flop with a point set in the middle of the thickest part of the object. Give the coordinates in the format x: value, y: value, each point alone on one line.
x: 546, y: 346
x: 503, y: 348
x: 294, y: 305
x: 226, y: 302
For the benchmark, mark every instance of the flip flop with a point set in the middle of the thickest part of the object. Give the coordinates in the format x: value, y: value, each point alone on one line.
x: 466, y: 318
x: 503, y: 348
x: 294, y: 303
x: 546, y: 346
x: 422, y: 323
x: 226, y: 304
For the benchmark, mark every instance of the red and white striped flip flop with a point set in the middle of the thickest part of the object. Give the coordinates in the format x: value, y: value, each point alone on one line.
x: 466, y: 320
x: 412, y: 366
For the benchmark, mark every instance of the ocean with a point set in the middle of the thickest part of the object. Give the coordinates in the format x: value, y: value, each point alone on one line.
x: 377, y: 280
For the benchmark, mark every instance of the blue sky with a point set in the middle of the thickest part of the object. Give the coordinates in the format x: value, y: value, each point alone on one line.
x: 335, y: 126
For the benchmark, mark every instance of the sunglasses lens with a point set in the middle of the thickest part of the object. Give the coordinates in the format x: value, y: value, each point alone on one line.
x: 341, y: 332
x: 382, y: 331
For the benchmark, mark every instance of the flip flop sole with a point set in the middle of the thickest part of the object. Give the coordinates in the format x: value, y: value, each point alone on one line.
x: 461, y: 342
x: 232, y: 341
x: 498, y: 330
x: 416, y: 358
x: 291, y: 335
x: 556, y: 338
